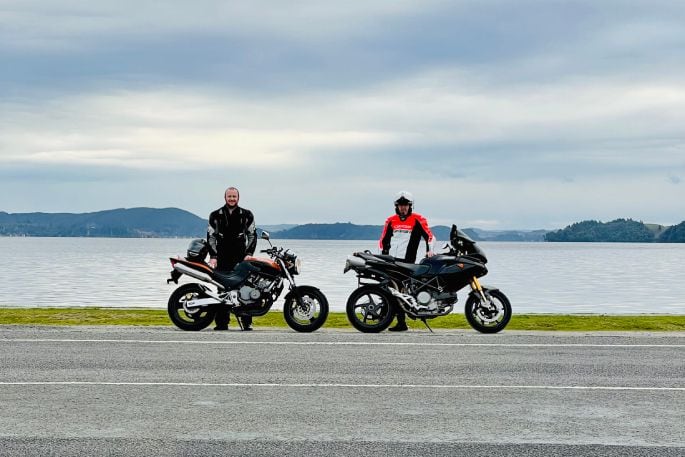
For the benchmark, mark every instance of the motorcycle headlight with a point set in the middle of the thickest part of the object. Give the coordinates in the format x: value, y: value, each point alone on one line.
x: 294, y: 266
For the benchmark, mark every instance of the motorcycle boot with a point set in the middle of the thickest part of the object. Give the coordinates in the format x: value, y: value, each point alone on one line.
x: 246, y: 323
x: 401, y: 325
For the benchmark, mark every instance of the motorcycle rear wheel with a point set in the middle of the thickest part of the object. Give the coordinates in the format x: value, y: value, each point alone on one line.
x: 370, y: 309
x: 189, y: 320
x: 308, y: 312
x: 488, y: 320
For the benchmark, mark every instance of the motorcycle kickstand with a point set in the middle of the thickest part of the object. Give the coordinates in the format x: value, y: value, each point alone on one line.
x: 423, y: 319
x: 240, y: 321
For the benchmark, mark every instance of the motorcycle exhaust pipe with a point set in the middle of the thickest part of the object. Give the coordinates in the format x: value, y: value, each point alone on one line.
x: 353, y: 262
x: 409, y: 304
x: 406, y: 299
x: 196, y: 274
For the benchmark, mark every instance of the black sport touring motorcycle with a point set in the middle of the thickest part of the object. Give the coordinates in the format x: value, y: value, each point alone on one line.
x: 251, y: 288
x: 425, y: 290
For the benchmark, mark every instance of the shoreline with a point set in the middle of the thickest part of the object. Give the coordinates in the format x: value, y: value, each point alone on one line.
x: 156, y: 317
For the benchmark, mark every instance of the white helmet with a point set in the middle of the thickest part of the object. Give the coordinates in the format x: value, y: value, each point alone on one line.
x: 404, y: 198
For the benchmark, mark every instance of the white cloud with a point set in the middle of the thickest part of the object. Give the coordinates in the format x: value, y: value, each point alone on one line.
x: 167, y: 130
x: 191, y: 127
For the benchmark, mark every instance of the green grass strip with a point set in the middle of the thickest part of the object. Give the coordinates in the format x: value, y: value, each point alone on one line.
x: 158, y: 317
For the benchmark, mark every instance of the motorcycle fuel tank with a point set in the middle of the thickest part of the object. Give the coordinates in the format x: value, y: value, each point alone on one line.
x: 455, y: 271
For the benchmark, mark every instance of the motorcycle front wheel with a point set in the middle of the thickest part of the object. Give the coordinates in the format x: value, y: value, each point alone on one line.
x: 305, y: 309
x: 185, y: 318
x: 489, y: 317
x: 370, y: 309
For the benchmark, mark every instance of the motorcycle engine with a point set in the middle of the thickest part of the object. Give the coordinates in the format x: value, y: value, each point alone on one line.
x: 254, y: 288
x: 249, y: 294
x: 425, y: 299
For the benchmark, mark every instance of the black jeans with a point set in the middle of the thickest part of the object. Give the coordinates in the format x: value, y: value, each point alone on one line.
x: 223, y: 317
x: 223, y: 313
x: 401, y: 315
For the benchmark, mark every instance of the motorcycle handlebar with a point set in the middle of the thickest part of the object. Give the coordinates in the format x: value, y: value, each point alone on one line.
x: 274, y: 251
x: 278, y: 252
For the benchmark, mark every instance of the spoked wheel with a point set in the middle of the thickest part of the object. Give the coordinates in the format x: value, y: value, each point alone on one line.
x: 187, y: 318
x: 370, y: 309
x: 491, y: 316
x: 305, y: 309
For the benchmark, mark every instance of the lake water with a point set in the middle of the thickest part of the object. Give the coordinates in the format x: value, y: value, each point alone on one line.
x: 609, y: 278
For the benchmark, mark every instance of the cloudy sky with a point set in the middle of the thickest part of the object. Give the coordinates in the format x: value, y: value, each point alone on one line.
x: 494, y: 114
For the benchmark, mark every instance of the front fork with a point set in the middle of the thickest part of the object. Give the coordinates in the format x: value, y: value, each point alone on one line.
x: 288, y: 276
x: 475, y: 286
x: 291, y: 284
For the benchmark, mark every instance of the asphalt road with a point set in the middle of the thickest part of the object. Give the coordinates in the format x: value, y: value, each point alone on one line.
x: 157, y: 391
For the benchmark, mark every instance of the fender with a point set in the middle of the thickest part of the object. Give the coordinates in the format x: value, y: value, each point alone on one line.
x: 485, y: 289
x: 291, y: 293
x: 489, y: 287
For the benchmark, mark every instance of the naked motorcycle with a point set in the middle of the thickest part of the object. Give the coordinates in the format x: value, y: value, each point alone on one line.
x: 425, y: 290
x: 251, y: 288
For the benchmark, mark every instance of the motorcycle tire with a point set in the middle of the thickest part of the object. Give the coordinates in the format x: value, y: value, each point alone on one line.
x: 374, y: 315
x: 483, y: 323
x: 305, y: 309
x: 191, y: 321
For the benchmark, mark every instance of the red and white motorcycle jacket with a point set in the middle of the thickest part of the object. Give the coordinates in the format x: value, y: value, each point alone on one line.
x: 406, y: 235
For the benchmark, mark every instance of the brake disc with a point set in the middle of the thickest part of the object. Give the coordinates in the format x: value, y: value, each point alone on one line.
x: 304, y: 310
x: 489, y: 315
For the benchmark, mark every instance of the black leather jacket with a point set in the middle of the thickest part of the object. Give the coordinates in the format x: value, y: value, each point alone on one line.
x: 231, y: 236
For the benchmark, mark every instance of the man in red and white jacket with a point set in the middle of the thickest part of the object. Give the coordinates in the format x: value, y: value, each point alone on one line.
x: 406, y: 229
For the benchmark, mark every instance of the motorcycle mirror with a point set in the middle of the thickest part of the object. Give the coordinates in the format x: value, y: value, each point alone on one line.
x: 265, y: 236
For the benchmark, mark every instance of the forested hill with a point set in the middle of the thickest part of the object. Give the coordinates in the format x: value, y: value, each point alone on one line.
x: 174, y: 222
x: 619, y: 230
x: 118, y: 223
x: 674, y: 234
x: 349, y: 231
x: 337, y: 231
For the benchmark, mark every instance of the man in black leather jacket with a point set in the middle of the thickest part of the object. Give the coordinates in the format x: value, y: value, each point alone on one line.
x: 231, y: 236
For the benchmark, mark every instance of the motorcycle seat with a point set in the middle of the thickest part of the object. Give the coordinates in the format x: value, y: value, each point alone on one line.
x: 233, y: 278
x: 415, y: 269
x: 229, y: 280
x: 376, y: 257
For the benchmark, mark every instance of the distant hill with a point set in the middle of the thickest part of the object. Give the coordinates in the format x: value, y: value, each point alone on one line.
x: 506, y: 235
x: 619, y: 231
x: 337, y: 231
x: 174, y: 222
x: 178, y: 223
x: 116, y: 223
x: 277, y: 227
x: 673, y: 234
x: 349, y: 231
